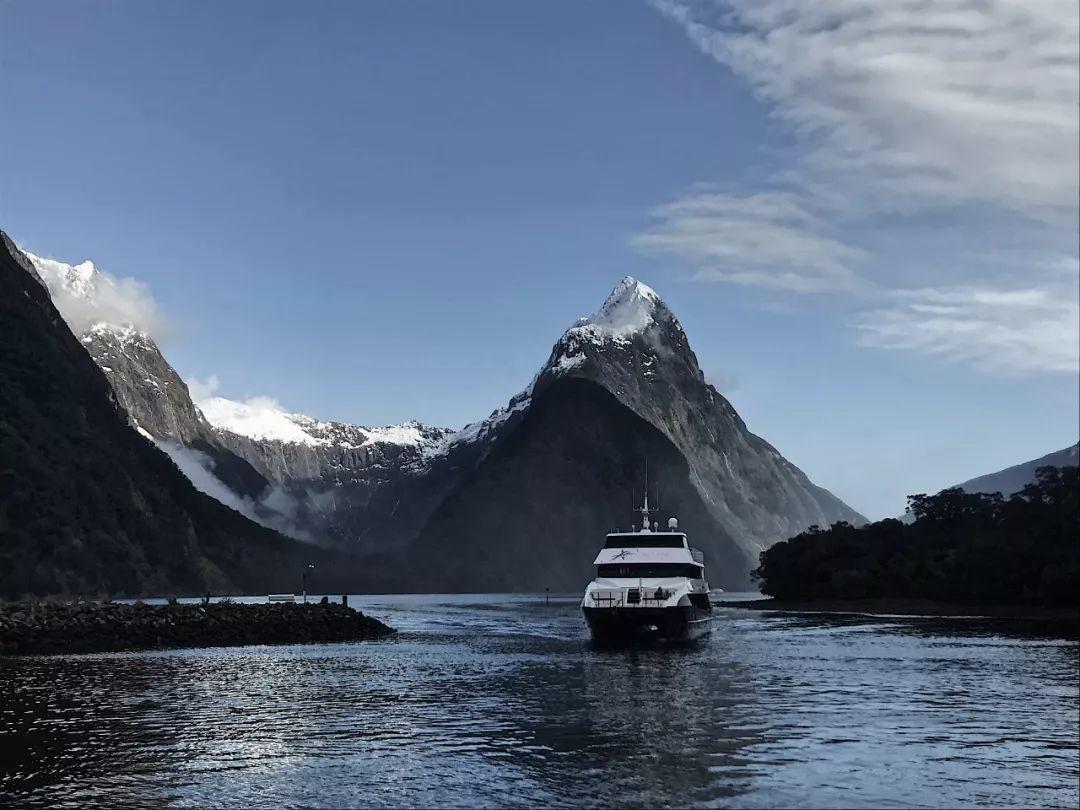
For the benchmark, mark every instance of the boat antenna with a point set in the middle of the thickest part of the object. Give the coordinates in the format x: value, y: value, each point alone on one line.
x: 645, y: 524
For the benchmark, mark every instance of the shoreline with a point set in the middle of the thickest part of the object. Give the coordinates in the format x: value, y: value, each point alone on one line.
x: 908, y: 607
x: 32, y: 628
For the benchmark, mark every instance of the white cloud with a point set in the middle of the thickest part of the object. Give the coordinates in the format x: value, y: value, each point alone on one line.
x: 911, y: 102
x: 85, y: 295
x: 1009, y: 330
x: 257, y: 417
x: 201, y: 390
x: 964, y: 112
x: 769, y: 239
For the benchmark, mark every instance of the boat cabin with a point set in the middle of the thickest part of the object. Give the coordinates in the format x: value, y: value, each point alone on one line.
x: 638, y: 555
x: 646, y: 540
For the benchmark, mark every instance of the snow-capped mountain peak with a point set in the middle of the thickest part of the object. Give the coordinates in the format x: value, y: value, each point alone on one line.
x: 79, y: 280
x: 88, y: 297
x: 630, y: 307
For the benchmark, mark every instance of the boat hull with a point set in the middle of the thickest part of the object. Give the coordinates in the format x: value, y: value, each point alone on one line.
x: 622, y: 624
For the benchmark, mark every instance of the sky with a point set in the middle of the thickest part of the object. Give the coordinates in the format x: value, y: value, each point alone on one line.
x: 864, y: 214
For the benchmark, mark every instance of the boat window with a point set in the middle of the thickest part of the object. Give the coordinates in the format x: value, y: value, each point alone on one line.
x: 635, y: 570
x: 645, y: 541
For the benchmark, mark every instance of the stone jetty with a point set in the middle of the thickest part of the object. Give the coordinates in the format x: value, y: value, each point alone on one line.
x: 77, y: 627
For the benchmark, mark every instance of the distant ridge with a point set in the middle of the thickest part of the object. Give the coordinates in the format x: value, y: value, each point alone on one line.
x: 1015, y: 478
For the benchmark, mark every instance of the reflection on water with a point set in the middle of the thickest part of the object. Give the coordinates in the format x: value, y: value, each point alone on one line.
x: 496, y: 700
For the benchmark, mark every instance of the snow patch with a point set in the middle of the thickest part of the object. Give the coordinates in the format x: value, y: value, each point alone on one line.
x: 406, y: 434
x: 263, y: 418
x: 257, y: 418
x: 568, y: 362
x: 484, y: 429
x: 630, y: 308
x: 87, y: 297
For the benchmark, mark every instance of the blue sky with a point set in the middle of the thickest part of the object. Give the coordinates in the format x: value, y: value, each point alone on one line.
x: 377, y: 211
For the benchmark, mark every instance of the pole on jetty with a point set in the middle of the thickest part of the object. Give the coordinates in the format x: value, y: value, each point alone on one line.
x: 303, y: 580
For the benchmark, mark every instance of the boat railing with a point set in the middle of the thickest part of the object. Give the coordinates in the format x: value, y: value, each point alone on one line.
x: 698, y: 555
x: 644, y: 596
x: 609, y: 599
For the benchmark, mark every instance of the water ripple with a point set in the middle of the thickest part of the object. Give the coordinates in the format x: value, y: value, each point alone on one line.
x: 490, y: 701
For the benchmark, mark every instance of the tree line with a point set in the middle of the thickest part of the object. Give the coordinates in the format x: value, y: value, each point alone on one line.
x: 961, y: 547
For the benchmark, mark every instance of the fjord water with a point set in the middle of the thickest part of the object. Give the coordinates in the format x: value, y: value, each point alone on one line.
x: 500, y: 700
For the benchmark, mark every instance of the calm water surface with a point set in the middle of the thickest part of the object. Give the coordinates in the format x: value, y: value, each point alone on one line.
x: 497, y: 700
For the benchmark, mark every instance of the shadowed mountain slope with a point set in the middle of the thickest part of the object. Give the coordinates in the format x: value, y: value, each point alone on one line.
x: 86, y: 504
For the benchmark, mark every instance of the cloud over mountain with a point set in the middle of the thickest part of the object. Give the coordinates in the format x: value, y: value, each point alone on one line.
x: 87, y: 296
x: 766, y: 239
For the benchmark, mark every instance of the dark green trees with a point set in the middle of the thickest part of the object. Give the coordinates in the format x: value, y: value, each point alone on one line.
x: 961, y: 547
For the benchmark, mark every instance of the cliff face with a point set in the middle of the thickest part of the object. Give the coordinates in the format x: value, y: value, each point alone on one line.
x: 158, y: 403
x: 147, y: 387
x: 86, y: 504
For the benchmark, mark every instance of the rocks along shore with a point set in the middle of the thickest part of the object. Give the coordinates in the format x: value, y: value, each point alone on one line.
x: 47, y: 628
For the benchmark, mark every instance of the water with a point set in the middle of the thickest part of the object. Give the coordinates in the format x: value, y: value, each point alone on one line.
x: 500, y: 700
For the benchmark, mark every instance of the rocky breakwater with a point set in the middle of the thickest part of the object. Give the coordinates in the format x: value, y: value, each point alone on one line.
x: 47, y: 628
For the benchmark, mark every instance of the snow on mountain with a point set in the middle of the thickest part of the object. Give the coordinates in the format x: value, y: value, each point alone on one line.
x: 87, y: 297
x: 408, y: 433
x: 486, y: 428
x: 257, y: 418
x: 262, y: 418
x: 96, y: 304
x: 628, y: 309
x: 78, y: 279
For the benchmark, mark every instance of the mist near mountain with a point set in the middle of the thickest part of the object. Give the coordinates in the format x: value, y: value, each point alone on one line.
x: 276, y: 509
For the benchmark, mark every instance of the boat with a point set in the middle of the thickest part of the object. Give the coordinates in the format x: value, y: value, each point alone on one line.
x: 649, y: 585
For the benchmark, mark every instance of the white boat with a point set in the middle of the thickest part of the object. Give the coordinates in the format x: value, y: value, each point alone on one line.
x: 649, y: 584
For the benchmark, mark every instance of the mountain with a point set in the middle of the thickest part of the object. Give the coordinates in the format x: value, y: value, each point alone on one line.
x: 1015, y: 478
x: 311, y: 479
x: 543, y: 479
x: 87, y: 505
x: 362, y: 488
x: 516, y: 501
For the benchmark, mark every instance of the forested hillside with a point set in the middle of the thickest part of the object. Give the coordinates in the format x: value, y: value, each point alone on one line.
x: 961, y: 547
